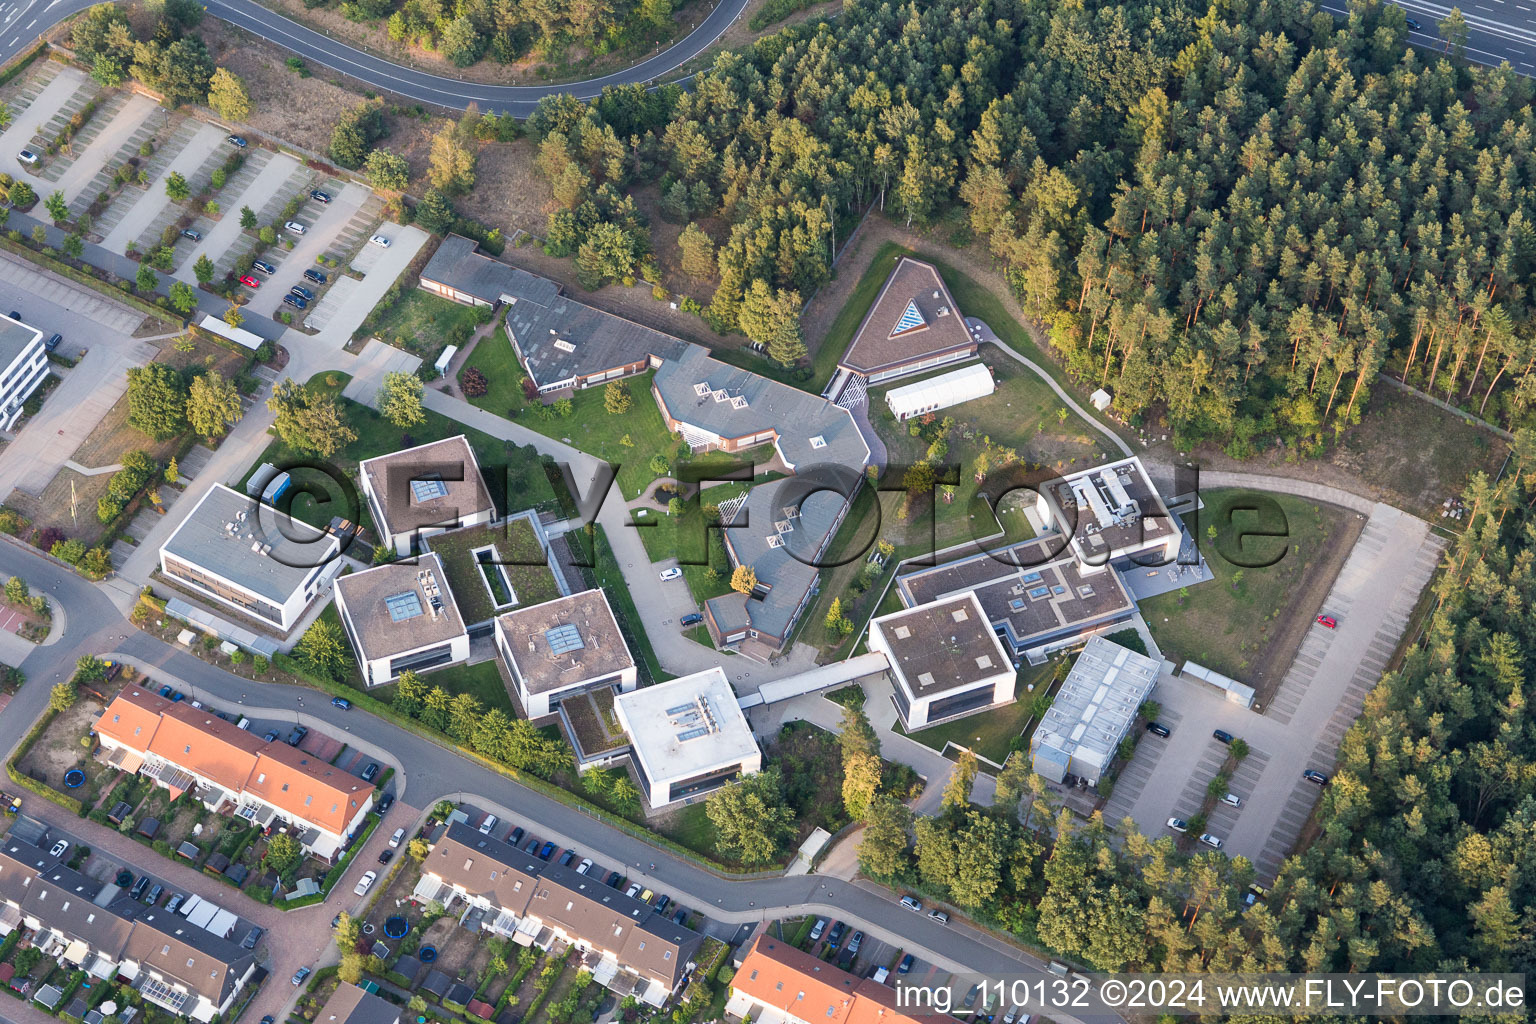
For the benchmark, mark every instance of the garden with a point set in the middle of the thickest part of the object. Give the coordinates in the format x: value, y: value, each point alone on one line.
x: 492, y: 569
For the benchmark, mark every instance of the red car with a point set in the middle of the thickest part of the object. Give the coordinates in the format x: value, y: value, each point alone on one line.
x: 1327, y: 620
x: 249, y: 281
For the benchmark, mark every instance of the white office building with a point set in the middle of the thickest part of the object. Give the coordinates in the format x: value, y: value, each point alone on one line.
x: 1094, y: 708
x: 25, y: 365
x: 687, y: 737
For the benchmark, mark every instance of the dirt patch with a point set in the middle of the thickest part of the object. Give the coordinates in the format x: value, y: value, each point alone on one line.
x: 576, y: 63
x: 302, y: 111
x: 58, y: 749
x: 68, y: 503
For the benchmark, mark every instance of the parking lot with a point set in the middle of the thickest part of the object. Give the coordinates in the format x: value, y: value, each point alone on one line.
x: 1320, y: 696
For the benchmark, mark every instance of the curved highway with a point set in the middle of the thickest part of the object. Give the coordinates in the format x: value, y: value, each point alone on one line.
x: 22, y: 21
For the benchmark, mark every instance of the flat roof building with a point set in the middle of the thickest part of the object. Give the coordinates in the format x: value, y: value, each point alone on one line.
x: 187, y: 749
x: 400, y: 617
x: 1111, y: 513
x: 1035, y: 593
x: 1092, y: 711
x: 942, y: 392
x: 23, y: 366
x: 564, y: 647
x: 425, y: 490
x: 460, y: 272
x: 688, y: 736
x: 537, y: 903
x: 945, y: 660
x: 912, y: 326
x: 250, y: 557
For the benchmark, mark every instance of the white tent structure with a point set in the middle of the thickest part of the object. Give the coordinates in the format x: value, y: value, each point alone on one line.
x: 941, y: 392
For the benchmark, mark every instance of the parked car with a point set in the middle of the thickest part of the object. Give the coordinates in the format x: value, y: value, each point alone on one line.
x: 1159, y: 729
x: 297, y: 736
x: 249, y: 281
x: 26, y: 156
x: 59, y: 848
x: 53, y: 342
x: 647, y: 896
x: 155, y: 892
x: 910, y: 903
x: 855, y: 942
x: 302, y: 292
x: 137, y: 892
x: 1413, y: 24
x: 299, y: 975
x: 317, y: 276
x: 633, y: 891
x: 371, y: 772
x: 318, y: 196
x: 386, y: 804
x: 1315, y: 777
x: 1210, y: 840
x: 263, y: 266
x: 680, y: 917
x: 970, y: 997
x: 251, y: 938
x: 615, y: 879
x: 661, y: 904
x: 691, y: 619
x: 192, y: 233
x: 515, y: 836
x: 488, y: 824
x: 396, y: 839
x: 365, y: 883
x: 270, y: 736
x: 177, y: 696
x: 267, y: 1020
x: 584, y: 866
x: 1232, y: 800
x: 939, y: 916
x: 174, y: 903
x: 238, y: 141
x: 532, y: 849
x: 567, y: 857
x: 295, y: 227
x: 671, y: 574
x: 1222, y: 736
x: 905, y: 967
x: 835, y: 936
x: 380, y: 241
x: 385, y: 856
x: 1327, y: 621
x: 817, y: 928
x: 546, y: 851
x: 294, y: 301
x: 1178, y: 824
x: 881, y: 973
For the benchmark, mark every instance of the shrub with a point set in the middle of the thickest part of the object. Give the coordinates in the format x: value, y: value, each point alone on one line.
x: 474, y: 383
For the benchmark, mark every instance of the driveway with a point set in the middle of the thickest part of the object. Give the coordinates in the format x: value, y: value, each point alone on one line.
x: 88, y: 321
x: 227, y: 232
x: 19, y: 135
x: 323, y: 221
x: 1319, y: 697
x: 141, y: 216
x: 105, y: 146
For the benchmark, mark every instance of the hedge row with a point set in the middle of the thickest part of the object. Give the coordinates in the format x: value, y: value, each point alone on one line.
x: 28, y: 782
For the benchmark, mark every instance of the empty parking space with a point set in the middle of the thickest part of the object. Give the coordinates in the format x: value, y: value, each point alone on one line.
x: 39, y: 112
x: 139, y: 220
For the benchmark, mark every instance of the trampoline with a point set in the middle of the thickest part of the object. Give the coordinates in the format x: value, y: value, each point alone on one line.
x: 74, y: 778
x: 395, y: 927
x: 427, y: 954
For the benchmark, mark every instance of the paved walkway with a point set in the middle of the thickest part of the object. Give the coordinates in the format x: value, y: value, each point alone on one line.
x: 1285, y: 485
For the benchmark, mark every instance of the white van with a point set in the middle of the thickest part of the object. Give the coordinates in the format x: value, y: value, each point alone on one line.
x: 881, y: 974
x: 488, y: 824
x: 395, y: 839
x: 295, y: 227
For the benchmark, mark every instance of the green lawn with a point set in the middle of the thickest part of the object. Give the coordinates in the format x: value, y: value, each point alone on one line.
x: 610, y: 577
x: 1022, y: 418
x: 520, y: 558
x: 991, y: 734
x: 1224, y: 623
x: 482, y: 679
x: 590, y: 427
x: 424, y: 324
x: 687, y: 539
x: 515, y: 475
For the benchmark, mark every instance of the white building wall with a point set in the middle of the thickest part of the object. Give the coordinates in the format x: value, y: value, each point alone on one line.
x: 20, y: 379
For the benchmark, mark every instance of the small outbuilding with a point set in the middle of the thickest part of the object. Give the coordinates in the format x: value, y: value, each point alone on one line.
x: 941, y: 392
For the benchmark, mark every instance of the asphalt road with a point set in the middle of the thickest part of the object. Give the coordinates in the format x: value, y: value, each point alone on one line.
x: 91, y: 624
